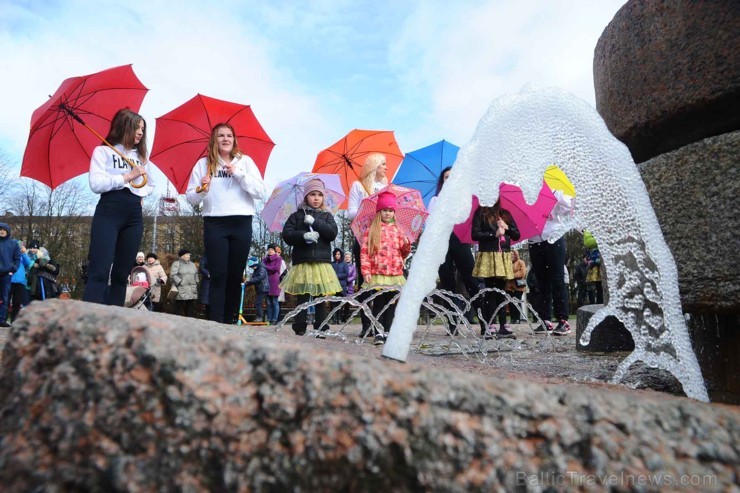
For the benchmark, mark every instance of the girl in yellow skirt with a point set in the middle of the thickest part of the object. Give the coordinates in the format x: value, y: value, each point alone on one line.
x: 494, y: 228
x: 310, y: 231
x: 384, y: 247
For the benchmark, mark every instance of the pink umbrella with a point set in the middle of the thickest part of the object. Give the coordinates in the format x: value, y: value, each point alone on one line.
x: 410, y: 212
x: 530, y: 219
x: 287, y: 198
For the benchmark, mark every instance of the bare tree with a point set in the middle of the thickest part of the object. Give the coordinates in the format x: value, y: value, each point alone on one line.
x: 58, y: 218
x: 7, y: 180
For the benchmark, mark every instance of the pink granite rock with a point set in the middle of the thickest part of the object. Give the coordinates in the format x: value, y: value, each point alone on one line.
x: 97, y: 398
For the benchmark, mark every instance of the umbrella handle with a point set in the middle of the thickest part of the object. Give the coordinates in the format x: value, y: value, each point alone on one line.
x: 127, y: 160
x: 74, y: 115
x: 200, y: 189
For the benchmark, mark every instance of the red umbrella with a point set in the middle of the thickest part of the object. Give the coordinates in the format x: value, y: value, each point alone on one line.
x: 182, y: 136
x: 410, y: 212
x: 530, y: 219
x: 58, y: 148
x: 347, y: 156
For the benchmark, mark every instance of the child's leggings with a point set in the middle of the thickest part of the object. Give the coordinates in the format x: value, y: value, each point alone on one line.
x: 383, y: 301
x: 494, y: 299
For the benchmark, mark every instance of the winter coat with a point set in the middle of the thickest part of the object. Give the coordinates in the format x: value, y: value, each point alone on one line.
x: 520, y: 272
x: 10, y: 253
x: 341, y: 269
x: 42, y: 279
x: 295, y: 228
x: 351, y: 278
x: 21, y: 275
x: 388, y: 260
x: 579, y: 276
x: 594, y: 266
x: 273, y: 263
x: 159, y: 278
x: 205, y: 281
x: 259, y: 279
x: 184, y: 275
x: 485, y: 234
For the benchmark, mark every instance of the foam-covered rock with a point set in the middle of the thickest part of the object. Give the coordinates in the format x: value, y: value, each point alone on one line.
x: 97, y: 398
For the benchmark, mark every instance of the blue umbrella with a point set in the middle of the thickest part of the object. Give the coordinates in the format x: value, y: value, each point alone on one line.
x: 421, y: 168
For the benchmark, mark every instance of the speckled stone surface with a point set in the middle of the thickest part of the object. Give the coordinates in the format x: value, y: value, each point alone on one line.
x: 667, y: 73
x: 96, y: 398
x: 695, y: 192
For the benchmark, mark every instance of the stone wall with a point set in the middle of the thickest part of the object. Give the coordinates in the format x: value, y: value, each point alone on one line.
x: 98, y: 398
x: 667, y: 83
x: 667, y: 73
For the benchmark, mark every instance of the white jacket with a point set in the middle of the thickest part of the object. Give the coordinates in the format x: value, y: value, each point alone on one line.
x: 228, y: 195
x: 357, y: 193
x: 107, y: 169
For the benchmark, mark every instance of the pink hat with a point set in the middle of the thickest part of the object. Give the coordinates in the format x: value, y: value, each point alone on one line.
x: 314, y: 185
x: 386, y: 200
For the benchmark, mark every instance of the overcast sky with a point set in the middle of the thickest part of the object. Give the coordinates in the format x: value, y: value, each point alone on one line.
x: 311, y: 70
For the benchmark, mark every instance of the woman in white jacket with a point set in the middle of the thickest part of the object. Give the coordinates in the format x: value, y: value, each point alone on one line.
x: 117, y: 226
x: 228, y: 184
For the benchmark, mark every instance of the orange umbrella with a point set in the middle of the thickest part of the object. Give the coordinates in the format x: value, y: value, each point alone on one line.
x: 347, y: 157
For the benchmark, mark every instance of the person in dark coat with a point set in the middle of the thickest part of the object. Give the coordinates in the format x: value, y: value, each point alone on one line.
x: 579, y: 276
x: 10, y: 259
x: 261, y: 284
x: 42, y: 277
x: 342, y: 271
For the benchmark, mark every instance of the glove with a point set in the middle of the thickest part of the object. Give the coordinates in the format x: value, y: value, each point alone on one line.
x: 308, y: 220
x: 311, y: 237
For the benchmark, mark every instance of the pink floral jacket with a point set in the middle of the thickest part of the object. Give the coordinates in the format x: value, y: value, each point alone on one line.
x: 388, y: 260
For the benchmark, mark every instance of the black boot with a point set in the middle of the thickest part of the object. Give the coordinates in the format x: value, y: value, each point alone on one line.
x: 299, y: 329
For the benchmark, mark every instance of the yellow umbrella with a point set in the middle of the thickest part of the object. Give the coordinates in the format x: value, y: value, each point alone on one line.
x: 557, y: 180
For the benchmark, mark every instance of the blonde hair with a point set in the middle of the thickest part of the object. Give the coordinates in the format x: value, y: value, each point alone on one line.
x: 213, y: 147
x: 367, y: 177
x: 373, y: 237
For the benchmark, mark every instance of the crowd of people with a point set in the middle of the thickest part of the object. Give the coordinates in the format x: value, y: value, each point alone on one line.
x: 27, y: 273
x: 226, y: 184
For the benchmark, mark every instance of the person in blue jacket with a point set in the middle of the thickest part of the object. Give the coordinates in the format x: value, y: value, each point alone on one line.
x: 18, y: 291
x: 10, y: 259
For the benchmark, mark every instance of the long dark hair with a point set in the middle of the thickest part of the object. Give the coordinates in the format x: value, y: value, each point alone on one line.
x: 441, y: 180
x: 491, y: 214
x: 123, y: 131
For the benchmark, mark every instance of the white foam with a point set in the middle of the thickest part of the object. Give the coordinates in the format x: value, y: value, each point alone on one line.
x: 517, y: 139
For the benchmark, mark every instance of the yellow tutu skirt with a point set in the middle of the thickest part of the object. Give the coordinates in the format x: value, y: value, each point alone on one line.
x: 314, y: 278
x: 381, y: 281
x: 493, y: 264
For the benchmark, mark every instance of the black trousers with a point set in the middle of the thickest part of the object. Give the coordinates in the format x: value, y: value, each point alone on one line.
x: 548, y: 260
x: 459, y: 258
x: 299, y: 322
x: 19, y: 298
x: 383, y: 300
x: 494, y: 299
x: 360, y: 281
x: 515, y: 312
x: 115, y: 236
x: 185, y: 308
x: 227, y: 241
